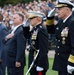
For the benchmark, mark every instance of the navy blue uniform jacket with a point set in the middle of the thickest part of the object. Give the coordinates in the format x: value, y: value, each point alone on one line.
x: 39, y: 41
x: 64, y: 45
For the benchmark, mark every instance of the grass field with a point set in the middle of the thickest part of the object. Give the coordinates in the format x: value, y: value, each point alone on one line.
x: 49, y: 72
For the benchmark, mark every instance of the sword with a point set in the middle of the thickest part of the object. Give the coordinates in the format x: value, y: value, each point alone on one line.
x: 32, y: 62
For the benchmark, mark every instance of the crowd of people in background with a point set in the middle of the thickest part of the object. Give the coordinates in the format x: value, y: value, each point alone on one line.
x: 9, y: 10
x: 39, y: 6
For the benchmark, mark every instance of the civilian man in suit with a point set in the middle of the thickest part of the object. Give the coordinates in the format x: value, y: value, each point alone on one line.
x: 16, y: 44
x: 39, y: 41
x: 64, y: 33
x: 3, y: 33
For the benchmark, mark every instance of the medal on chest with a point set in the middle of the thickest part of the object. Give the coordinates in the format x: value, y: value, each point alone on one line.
x: 34, y: 35
x: 64, y: 34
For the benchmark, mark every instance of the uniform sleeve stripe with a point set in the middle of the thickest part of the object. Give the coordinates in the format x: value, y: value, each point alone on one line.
x: 50, y: 22
x: 71, y: 59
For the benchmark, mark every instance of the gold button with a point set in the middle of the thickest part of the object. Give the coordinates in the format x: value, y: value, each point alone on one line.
x: 63, y: 42
x: 58, y: 47
x: 58, y: 40
x: 58, y: 53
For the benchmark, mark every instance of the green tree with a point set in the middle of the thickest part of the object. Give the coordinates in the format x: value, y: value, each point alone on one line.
x: 3, y: 2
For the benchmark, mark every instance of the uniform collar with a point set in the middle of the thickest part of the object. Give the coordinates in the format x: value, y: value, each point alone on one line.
x: 66, y: 18
x: 38, y: 26
x: 15, y: 28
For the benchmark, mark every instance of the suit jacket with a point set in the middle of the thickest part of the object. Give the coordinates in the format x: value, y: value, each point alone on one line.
x: 64, y: 45
x: 39, y: 41
x: 16, y: 48
x: 3, y: 33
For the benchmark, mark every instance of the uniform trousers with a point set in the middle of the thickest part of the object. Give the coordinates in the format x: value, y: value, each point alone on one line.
x: 34, y: 72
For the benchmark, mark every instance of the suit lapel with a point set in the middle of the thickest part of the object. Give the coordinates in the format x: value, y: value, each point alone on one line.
x: 17, y: 29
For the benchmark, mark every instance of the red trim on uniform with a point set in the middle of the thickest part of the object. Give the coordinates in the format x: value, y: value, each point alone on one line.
x: 40, y: 73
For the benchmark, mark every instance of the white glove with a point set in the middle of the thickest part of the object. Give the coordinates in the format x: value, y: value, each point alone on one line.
x: 39, y: 68
x: 70, y: 69
x: 52, y: 13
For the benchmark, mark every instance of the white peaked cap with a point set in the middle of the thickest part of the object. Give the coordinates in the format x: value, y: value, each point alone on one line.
x: 64, y: 3
x: 35, y: 14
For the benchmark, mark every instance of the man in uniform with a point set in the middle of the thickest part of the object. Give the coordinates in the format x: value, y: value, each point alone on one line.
x: 39, y: 41
x: 64, y: 33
